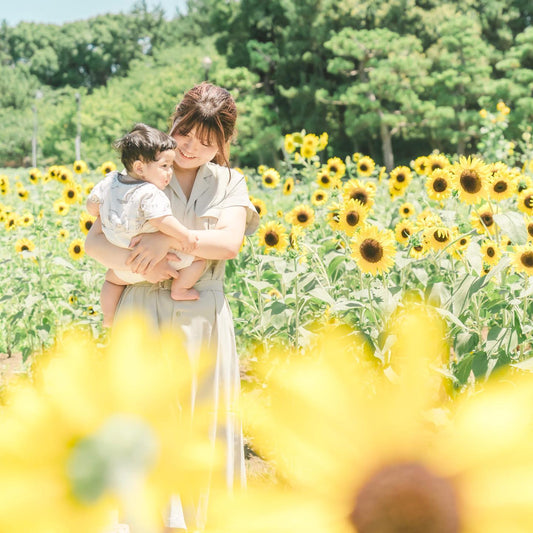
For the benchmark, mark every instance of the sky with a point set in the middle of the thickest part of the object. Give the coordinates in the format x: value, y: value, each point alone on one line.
x: 61, y: 11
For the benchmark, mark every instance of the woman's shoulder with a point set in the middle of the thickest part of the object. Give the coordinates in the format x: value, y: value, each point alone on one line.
x: 224, y: 174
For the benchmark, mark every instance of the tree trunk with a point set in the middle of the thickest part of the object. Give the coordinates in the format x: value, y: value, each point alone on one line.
x: 386, y: 146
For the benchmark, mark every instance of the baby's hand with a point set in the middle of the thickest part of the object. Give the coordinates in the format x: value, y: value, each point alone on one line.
x: 189, y: 243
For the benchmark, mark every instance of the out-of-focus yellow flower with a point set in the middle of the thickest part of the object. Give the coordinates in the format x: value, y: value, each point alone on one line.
x: 524, y: 201
x: 107, y: 167
x: 490, y: 252
x: 352, y: 216
x: 86, y: 222
x: 301, y: 215
x: 336, y: 167
x: 261, y: 169
x: 502, y: 108
x: 273, y: 236
x: 373, y: 250
x: 288, y: 186
x: 101, y: 429
x: 358, y: 190
x: 471, y: 176
x: 61, y: 207
x: 319, y: 197
x: 76, y: 249
x: 80, y: 166
x: 365, y: 166
x: 24, y: 245
x: 403, y: 231
x: 420, y: 165
x: 259, y: 205
x: 270, y: 178
x: 483, y: 113
x: 323, y: 141
x: 522, y: 258
x: 35, y: 175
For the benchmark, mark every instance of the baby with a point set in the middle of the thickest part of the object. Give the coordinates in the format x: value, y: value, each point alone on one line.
x: 133, y: 203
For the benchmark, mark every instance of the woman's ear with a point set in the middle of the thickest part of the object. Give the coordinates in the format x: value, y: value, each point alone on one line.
x: 138, y: 167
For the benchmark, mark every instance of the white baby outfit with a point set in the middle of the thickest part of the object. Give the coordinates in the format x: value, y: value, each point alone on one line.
x: 126, y: 207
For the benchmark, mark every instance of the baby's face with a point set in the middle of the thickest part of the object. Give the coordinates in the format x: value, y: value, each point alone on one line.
x: 159, y: 172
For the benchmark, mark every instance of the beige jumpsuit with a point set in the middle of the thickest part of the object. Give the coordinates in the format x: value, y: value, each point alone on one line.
x: 206, y: 322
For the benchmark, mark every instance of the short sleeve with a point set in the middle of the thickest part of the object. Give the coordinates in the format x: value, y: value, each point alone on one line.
x: 237, y: 196
x: 96, y: 196
x: 154, y: 203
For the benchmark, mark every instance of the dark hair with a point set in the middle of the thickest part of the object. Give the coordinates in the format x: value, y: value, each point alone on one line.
x: 142, y: 142
x: 212, y: 111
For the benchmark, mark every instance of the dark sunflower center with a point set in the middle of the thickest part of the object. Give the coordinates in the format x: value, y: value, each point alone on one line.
x: 363, y: 167
x: 435, y: 166
x: 333, y: 168
x: 268, y: 179
x: 371, y: 250
x: 271, y: 238
x: 440, y: 236
x: 440, y: 185
x: 362, y: 196
x: 528, y: 202
x: 500, y: 186
x: 352, y: 218
x: 77, y: 249
x: 324, y: 179
x: 406, y: 498
x: 530, y: 229
x: 463, y: 242
x: 470, y: 182
x: 405, y: 233
x: 491, y: 252
x: 88, y: 224
x: 527, y: 259
x: 302, y: 217
x: 24, y: 248
x: 400, y: 178
x: 257, y: 208
x: 487, y: 219
x: 319, y: 197
x: 70, y: 193
x: 406, y: 210
x: 418, y: 247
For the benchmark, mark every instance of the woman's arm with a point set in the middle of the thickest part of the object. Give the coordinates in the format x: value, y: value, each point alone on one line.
x: 222, y: 242
x: 111, y: 256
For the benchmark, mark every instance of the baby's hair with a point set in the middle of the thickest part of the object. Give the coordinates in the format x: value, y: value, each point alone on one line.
x: 142, y: 142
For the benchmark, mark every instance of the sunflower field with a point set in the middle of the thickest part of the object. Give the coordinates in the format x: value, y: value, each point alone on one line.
x: 341, y: 240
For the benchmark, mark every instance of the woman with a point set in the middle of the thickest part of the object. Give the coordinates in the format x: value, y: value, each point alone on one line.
x: 205, y: 195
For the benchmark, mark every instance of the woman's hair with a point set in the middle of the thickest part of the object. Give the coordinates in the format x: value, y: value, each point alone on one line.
x: 211, y: 110
x: 142, y: 142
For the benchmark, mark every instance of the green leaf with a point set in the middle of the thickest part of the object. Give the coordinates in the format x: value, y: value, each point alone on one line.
x: 512, y: 224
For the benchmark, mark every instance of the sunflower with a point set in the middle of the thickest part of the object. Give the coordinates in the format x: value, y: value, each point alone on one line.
x: 334, y: 210
x: 116, y: 444
x: 62, y: 234
x: 336, y: 167
x: 501, y: 184
x: 53, y: 172
x: 357, y: 190
x: 420, y: 165
x: 403, y: 231
x: 470, y: 177
x: 88, y: 187
x: 288, y: 186
x: 525, y: 201
x: 311, y: 139
x: 107, y: 167
x: 86, y: 222
x: 319, y: 197
x: 307, y: 151
x: 490, y: 252
x: 410, y: 473
x: 61, y: 207
x: 436, y: 161
x: 459, y: 246
x: 352, y: 216
x: 259, y: 205
x: 80, y: 166
x: 373, y: 250
x: 438, y: 237
x: 406, y: 210
x: 427, y: 219
x: 439, y: 185
x: 529, y: 228
x: 24, y: 245
x: 270, y: 178
x: 11, y: 221
x: 522, y: 258
x: 482, y: 219
x: 289, y: 144
x: 35, y: 175
x: 295, y: 237
x: 302, y: 215
x: 65, y: 175
x: 323, y: 141
x: 420, y: 250
x: 365, y: 166
x: 400, y: 176
x: 23, y: 194
x: 273, y: 236
x: 76, y: 249
x: 26, y: 219
x: 324, y: 179
x: 71, y: 194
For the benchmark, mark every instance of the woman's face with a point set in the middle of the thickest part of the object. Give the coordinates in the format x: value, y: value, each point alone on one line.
x: 192, y: 152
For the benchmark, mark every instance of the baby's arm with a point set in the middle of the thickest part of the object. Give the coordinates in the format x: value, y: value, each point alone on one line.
x: 93, y: 208
x: 171, y: 226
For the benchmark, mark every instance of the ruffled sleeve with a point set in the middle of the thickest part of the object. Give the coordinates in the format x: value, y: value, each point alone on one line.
x: 154, y: 203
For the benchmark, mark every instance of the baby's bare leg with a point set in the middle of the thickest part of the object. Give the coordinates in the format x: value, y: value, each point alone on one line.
x: 109, y: 297
x: 188, y: 276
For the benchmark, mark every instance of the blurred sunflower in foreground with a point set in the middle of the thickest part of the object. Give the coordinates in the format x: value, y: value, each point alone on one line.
x: 100, y: 429
x: 360, y: 453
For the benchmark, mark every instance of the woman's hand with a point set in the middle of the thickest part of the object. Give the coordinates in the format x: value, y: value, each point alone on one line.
x: 148, y: 249
x: 160, y: 272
